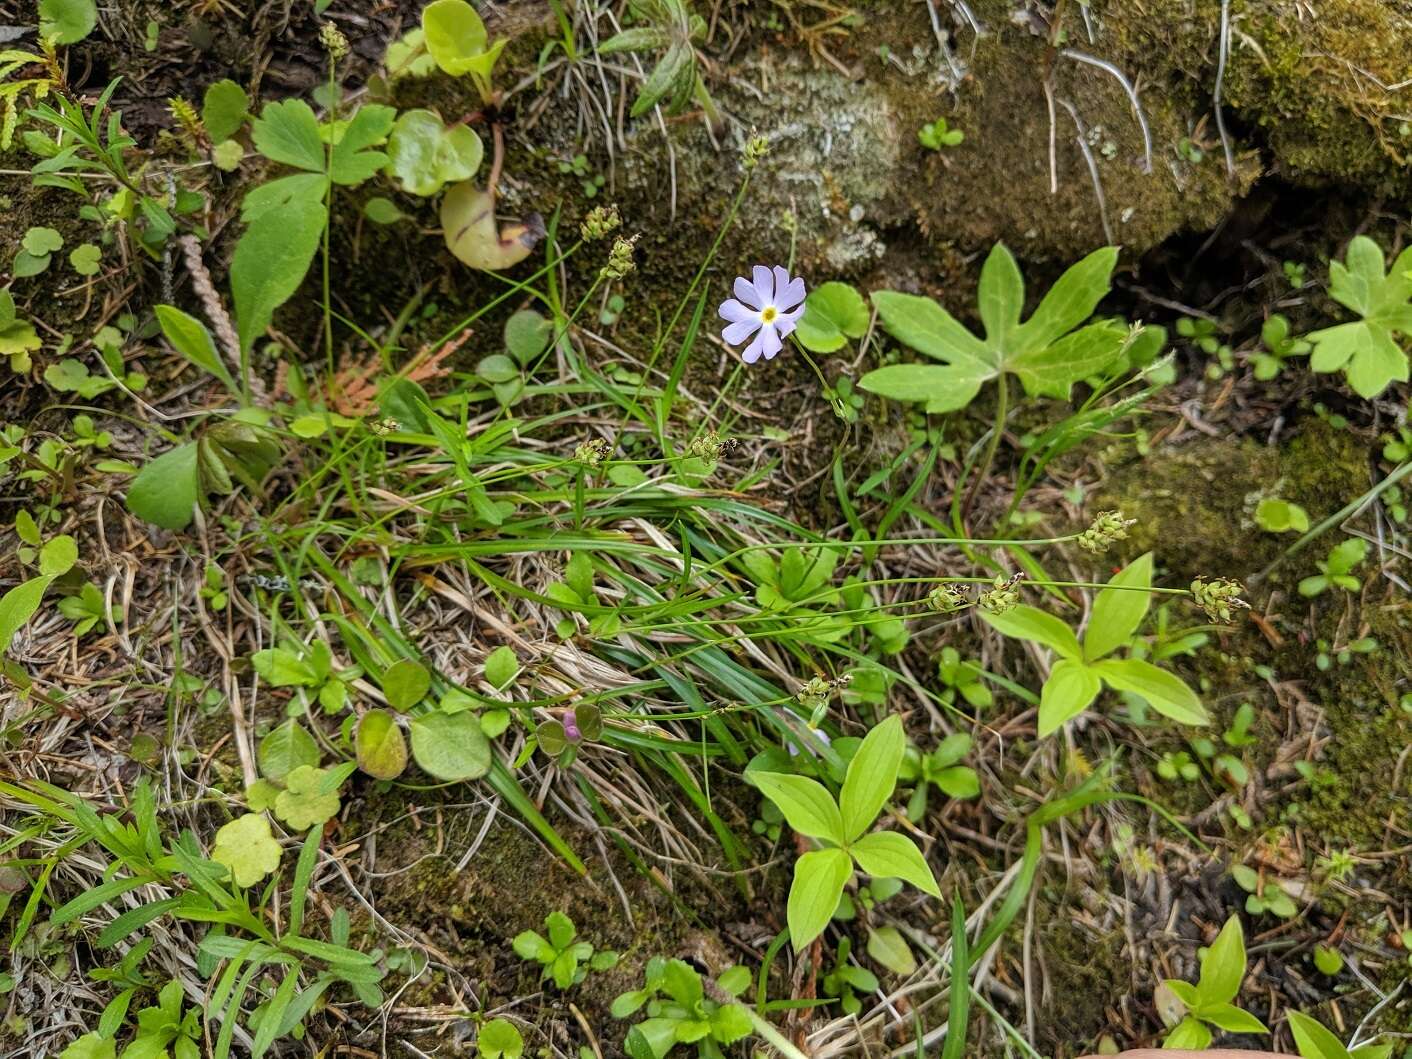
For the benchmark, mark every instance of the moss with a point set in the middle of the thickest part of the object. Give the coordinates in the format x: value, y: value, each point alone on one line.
x: 1317, y: 90
x: 1086, y: 971
x: 1188, y: 499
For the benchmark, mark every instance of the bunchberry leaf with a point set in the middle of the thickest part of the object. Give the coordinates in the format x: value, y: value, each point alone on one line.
x: 1118, y: 609
x: 806, y: 804
x: 819, y: 877
x: 871, y: 777
x: 888, y: 855
x: 1030, y: 623
x: 1165, y: 692
x: 1071, y: 688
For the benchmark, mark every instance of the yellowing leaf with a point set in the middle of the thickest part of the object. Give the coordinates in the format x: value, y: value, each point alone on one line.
x: 248, y: 848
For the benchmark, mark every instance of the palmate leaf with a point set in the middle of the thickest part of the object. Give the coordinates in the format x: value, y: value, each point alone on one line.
x: 1048, y: 353
x: 1366, y: 350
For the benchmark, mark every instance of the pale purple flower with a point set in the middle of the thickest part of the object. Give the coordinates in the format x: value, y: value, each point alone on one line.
x: 770, y: 305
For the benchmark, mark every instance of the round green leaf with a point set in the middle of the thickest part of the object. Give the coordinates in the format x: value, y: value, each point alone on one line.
x: 501, y: 665
x: 424, y: 154
x: 832, y: 312
x: 500, y: 1040
x: 165, y: 490
x: 381, y: 750
x: 224, y: 109
x: 67, y: 21
x: 455, y: 35
x: 405, y: 683
x: 38, y: 241
x: 58, y: 555
x: 85, y: 259
x: 527, y: 335
x: 248, y: 848
x: 450, y: 746
x: 285, y: 749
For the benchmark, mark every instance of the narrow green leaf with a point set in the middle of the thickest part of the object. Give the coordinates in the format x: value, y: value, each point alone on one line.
x: 18, y: 605
x: 1164, y: 692
x: 871, y: 776
x: 888, y: 855
x: 806, y: 805
x: 1119, y: 609
x: 1071, y: 688
x: 1000, y: 296
x: 192, y: 340
x: 1223, y: 965
x: 1030, y: 623
x: 1313, y: 1040
x: 1070, y: 301
x: 958, y: 1018
x: 819, y: 878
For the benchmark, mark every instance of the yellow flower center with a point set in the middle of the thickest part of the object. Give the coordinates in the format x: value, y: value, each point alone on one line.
x: 769, y: 313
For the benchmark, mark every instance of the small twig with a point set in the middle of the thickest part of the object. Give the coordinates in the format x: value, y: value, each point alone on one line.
x: 1109, y: 68
x: 1220, y: 80
x: 1082, y: 140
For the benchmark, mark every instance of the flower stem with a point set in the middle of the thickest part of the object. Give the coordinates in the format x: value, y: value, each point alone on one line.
x: 1002, y: 409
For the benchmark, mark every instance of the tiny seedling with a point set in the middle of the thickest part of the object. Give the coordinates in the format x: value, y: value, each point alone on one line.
x: 846, y: 977
x: 1336, y: 571
x: 963, y: 678
x: 937, y: 134
x: 1210, y: 1002
x: 1281, y: 516
x: 1279, y: 347
x: 1262, y: 896
x: 679, y: 1011
x: 1178, y: 765
x: 939, y: 769
x: 565, y: 961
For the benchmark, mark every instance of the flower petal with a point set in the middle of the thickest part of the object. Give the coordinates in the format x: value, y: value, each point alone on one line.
x: 740, y: 330
x: 745, y: 291
x: 764, y: 285
x: 788, y: 292
x: 735, y: 312
x: 785, y: 323
x: 752, y: 351
x: 771, y: 340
